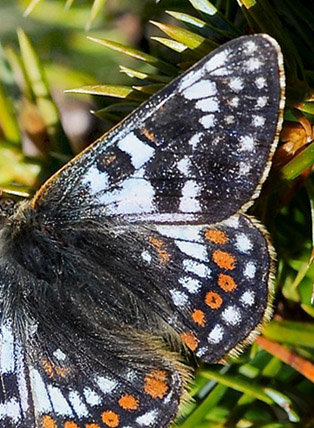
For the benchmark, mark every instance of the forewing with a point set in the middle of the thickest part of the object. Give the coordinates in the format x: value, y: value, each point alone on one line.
x: 61, y: 379
x: 196, y: 151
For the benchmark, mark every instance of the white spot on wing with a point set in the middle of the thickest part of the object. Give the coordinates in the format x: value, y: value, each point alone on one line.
x: 234, y: 102
x: 201, y: 89
x: 243, y: 243
x: 236, y: 84
x: 201, y: 352
x: 78, y: 405
x: 208, y: 121
x: 185, y: 232
x: 179, y: 299
x: 246, y: 143
x: 208, y: 105
x: 250, y: 270
x: 222, y: 71
x: 40, y: 396
x: 261, y: 102
x: 165, y: 217
x: 244, y: 168
x: 105, y: 384
x: 247, y: 298
x: 194, y: 141
x: 96, y: 179
x: 135, y: 196
x: 250, y: 47
x: 147, y: 419
x: 59, y: 403
x: 91, y: 397
x: 193, y: 249
x: 232, y: 222
x: 21, y: 381
x: 199, y: 269
x: 188, y: 201
x: 146, y: 256
x: 191, y: 284
x: 190, y: 78
x: 184, y: 165
x: 59, y: 355
x: 131, y: 375
x: 10, y: 409
x: 218, y: 60
x: 7, y: 350
x: 258, y: 121
x: 253, y: 64
x: 216, y: 335
x: 260, y: 82
x: 231, y: 315
x: 140, y: 152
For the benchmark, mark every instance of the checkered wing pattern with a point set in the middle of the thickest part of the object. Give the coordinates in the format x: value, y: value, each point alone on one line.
x: 140, y: 245
x: 197, y: 151
x: 50, y: 381
x: 221, y: 288
x: 210, y: 283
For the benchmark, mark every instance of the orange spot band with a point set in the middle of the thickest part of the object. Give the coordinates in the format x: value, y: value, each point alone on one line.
x: 160, y: 248
x: 213, y: 300
x: 198, y: 317
x: 47, y: 366
x: 128, y: 402
x: 52, y: 369
x: 224, y: 260
x: 226, y: 282
x: 190, y: 340
x: 110, y: 418
x: 48, y: 422
x: 216, y: 236
x: 155, y: 383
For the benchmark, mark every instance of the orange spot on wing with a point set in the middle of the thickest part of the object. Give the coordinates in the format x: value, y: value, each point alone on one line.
x: 48, y: 367
x: 110, y: 418
x: 128, y: 402
x: 160, y: 248
x: 92, y: 426
x: 70, y: 424
x: 216, y: 236
x: 109, y: 159
x: 190, y: 340
x: 213, y: 300
x: 198, y: 317
x: 48, y: 422
x: 226, y: 282
x: 155, y: 383
x: 51, y: 369
x: 148, y: 134
x: 224, y: 260
x: 61, y: 371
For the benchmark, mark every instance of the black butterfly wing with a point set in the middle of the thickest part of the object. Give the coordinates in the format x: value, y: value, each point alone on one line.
x: 55, y: 376
x: 212, y: 284
x: 196, y: 151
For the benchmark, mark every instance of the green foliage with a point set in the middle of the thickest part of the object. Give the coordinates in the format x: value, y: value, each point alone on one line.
x: 259, y: 389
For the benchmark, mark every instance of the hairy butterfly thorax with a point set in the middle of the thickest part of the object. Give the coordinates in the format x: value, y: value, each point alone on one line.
x: 140, y: 247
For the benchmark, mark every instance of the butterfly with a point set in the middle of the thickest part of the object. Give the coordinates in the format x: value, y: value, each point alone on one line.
x: 139, y: 248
